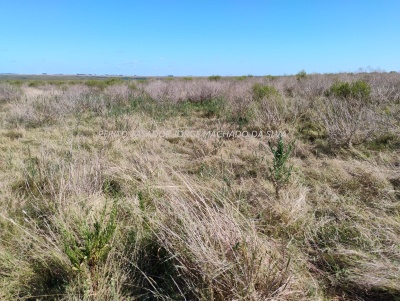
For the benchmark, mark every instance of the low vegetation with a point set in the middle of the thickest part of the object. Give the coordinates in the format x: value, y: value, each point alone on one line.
x: 246, y: 188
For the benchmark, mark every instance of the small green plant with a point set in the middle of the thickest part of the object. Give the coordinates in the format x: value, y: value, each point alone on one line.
x: 111, y: 188
x: 279, y: 172
x: 91, y: 244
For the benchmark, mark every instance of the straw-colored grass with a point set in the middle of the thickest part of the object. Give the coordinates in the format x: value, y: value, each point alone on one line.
x: 126, y: 191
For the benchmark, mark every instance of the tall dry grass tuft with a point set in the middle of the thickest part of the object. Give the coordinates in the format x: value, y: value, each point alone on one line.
x: 219, y: 250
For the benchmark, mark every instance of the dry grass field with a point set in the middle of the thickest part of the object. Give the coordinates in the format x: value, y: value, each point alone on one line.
x: 246, y: 188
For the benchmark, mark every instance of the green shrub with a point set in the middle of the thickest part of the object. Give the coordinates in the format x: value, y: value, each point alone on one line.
x: 210, y: 108
x: 96, y: 83
x: 261, y: 91
x: 301, y: 75
x: 360, y: 90
x: 56, y: 82
x: 73, y: 82
x: 279, y: 172
x: 357, y: 90
x: 214, y: 77
x: 15, y: 82
x: 102, y: 84
x: 35, y: 84
x: 271, y: 77
x: 113, y: 81
x: 90, y: 245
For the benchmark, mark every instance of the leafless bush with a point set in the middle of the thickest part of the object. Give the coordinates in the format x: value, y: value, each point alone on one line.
x: 158, y: 90
x: 349, y: 122
x: 314, y: 86
x: 33, y: 111
x: 207, y: 90
x: 177, y: 91
x: 385, y: 87
x: 276, y: 111
x: 310, y: 87
x: 9, y: 92
x: 269, y: 112
x: 78, y: 99
x: 120, y: 95
x: 239, y: 99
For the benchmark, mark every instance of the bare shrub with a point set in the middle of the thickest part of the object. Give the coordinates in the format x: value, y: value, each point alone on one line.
x: 119, y: 95
x: 275, y: 111
x: 79, y: 98
x: 269, y: 112
x: 34, y: 111
x: 9, y: 92
x: 315, y: 85
x: 176, y: 91
x: 349, y: 122
x: 206, y: 90
x: 385, y: 87
x: 239, y: 97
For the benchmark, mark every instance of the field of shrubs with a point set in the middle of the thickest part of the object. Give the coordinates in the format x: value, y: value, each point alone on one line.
x: 220, y: 188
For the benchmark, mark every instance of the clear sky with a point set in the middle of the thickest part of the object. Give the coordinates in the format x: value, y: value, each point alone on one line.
x: 198, y: 37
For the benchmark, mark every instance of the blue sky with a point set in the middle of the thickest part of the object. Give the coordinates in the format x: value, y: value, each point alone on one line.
x: 198, y: 37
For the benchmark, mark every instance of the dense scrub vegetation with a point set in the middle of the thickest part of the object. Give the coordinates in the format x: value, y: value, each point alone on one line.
x: 247, y: 188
